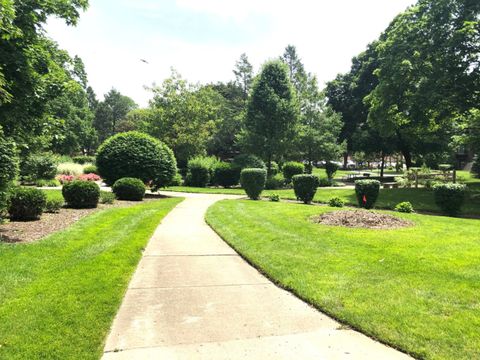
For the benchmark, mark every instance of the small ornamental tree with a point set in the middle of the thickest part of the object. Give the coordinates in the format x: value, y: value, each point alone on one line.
x: 253, y: 182
x: 292, y: 168
x: 331, y: 169
x: 305, y: 187
x: 136, y: 155
x: 367, y: 192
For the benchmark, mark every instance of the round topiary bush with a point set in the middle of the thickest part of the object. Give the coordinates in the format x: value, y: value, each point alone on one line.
x: 129, y: 189
x: 292, y: 168
x: 248, y: 161
x: 81, y: 194
x: 305, y: 187
x: 404, y: 207
x: 450, y: 197
x: 137, y: 155
x: 26, y: 203
x: 198, y: 172
x: 253, y: 182
x: 367, y: 192
x: 226, y: 175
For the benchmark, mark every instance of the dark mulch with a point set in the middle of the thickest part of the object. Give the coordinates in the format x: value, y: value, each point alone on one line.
x: 361, y: 219
x: 29, y: 231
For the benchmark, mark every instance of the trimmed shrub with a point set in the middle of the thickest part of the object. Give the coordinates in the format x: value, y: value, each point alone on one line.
x: 129, y: 189
x: 84, y: 159
x: 404, y: 207
x: 177, y: 180
x: 292, y: 168
x: 274, y: 197
x: 308, y: 168
x: 476, y: 167
x: 324, y: 182
x: 53, y: 205
x: 226, y: 175
x: 275, y: 182
x: 253, y: 182
x: 90, y: 169
x: 336, y: 202
x: 81, y: 194
x: 26, y: 203
x: 137, y: 155
x: 248, y: 161
x: 331, y: 169
x: 450, y: 197
x: 198, y: 172
x: 107, y: 197
x: 367, y: 192
x: 39, y: 166
x: 305, y: 187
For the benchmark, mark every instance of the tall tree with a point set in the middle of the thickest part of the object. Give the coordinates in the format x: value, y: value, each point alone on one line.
x: 272, y: 113
x: 296, y: 70
x: 110, y: 112
x: 243, y: 75
x: 429, y: 75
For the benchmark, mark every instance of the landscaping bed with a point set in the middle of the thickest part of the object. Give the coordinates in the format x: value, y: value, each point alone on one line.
x: 361, y: 219
x: 415, y: 288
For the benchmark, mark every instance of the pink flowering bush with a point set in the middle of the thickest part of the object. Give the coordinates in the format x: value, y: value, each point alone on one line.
x: 85, y: 177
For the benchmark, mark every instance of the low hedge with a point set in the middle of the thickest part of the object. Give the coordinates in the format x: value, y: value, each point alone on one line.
x: 253, y: 182
x: 305, y: 187
x: 83, y: 159
x: 292, y: 168
x: 26, y: 203
x: 81, y: 194
x: 367, y: 192
x: 450, y: 197
x: 129, y: 189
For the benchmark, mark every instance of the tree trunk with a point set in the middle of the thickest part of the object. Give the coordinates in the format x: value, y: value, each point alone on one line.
x: 405, y: 150
x: 382, y: 166
x: 345, y: 160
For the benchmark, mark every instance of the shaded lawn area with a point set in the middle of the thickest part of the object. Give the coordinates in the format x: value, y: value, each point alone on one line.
x: 414, y: 288
x: 59, y: 295
x: 421, y: 199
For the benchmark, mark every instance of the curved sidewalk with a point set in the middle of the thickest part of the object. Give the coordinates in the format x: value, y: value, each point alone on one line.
x: 193, y: 297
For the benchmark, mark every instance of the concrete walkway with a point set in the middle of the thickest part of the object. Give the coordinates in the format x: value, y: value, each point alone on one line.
x: 193, y: 297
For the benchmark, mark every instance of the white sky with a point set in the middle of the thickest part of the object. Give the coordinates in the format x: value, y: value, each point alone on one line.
x: 202, y: 39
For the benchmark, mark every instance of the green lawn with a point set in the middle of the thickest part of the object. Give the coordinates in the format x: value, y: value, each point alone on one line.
x: 421, y: 199
x: 415, y: 288
x: 58, y: 296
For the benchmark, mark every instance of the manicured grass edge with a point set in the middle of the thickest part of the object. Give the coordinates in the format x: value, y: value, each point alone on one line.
x: 342, y: 323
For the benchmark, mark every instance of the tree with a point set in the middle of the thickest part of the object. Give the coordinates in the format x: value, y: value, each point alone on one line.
x: 244, y: 75
x: 428, y: 76
x: 272, y: 113
x: 184, y: 116
x: 32, y: 68
x: 296, y: 70
x: 110, y: 111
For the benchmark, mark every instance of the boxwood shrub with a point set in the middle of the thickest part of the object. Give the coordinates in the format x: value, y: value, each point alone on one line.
x: 450, y: 197
x: 248, y: 161
x: 404, y: 207
x: 367, y: 192
x: 83, y: 159
x: 305, y: 187
x: 331, y: 169
x: 39, y: 166
x: 81, y: 194
x: 253, y: 182
x: 129, y: 189
x: 198, y: 172
x: 275, y: 182
x: 226, y: 175
x: 26, y: 203
x: 90, y: 169
x: 292, y: 168
x: 137, y: 155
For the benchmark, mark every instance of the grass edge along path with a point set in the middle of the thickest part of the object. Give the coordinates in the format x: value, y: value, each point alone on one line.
x: 415, y: 289
x: 59, y: 295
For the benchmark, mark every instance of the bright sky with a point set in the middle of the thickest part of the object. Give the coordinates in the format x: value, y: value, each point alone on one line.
x: 202, y: 39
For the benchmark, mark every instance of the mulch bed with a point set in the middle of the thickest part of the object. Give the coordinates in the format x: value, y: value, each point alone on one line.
x: 29, y: 231
x: 361, y: 219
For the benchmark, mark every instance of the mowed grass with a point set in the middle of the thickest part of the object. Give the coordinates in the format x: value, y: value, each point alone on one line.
x: 58, y: 296
x: 415, y: 288
x: 421, y: 199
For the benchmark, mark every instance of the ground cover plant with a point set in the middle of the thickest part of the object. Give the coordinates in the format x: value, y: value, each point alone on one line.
x: 58, y: 296
x: 415, y: 288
